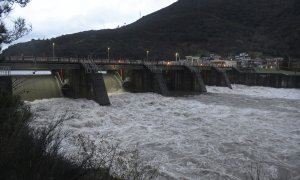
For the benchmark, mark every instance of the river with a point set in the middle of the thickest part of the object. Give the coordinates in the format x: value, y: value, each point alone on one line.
x: 224, y: 134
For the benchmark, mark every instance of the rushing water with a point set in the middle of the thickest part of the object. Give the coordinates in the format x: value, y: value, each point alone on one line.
x: 113, y: 83
x: 224, y: 134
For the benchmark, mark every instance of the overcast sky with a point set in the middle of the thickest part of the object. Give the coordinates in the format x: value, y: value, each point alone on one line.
x: 52, y: 18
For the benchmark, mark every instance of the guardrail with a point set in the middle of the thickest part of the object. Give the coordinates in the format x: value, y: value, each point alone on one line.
x: 33, y: 59
x: 42, y: 59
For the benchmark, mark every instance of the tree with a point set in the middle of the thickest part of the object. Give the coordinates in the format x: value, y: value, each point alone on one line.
x: 20, y: 27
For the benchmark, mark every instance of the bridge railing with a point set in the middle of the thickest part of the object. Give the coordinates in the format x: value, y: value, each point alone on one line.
x: 42, y: 59
x: 34, y: 59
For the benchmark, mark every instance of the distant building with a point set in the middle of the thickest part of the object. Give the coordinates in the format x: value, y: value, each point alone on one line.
x: 212, y: 57
x: 223, y: 63
x: 215, y: 57
x: 258, y: 62
x: 192, y: 58
x: 273, y: 63
x: 243, y: 60
x: 231, y: 63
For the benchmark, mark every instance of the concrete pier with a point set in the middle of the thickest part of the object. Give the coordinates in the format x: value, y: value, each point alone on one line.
x: 199, y: 84
x: 86, y: 85
x: 222, y: 77
x: 159, y: 80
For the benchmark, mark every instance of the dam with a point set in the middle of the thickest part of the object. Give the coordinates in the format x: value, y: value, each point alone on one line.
x: 96, y: 78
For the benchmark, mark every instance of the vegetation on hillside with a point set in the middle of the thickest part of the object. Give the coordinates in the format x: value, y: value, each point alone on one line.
x: 188, y: 27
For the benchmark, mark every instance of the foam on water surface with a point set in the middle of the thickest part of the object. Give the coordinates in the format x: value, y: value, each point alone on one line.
x: 257, y: 91
x: 219, y: 135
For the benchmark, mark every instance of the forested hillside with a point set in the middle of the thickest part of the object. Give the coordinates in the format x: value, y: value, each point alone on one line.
x: 189, y: 27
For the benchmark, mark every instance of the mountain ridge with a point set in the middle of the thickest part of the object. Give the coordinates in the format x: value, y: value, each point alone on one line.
x: 189, y: 27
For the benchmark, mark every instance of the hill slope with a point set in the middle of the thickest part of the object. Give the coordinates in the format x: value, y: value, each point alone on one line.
x: 188, y: 27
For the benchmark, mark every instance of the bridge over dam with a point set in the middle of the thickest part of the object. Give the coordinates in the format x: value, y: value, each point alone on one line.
x: 95, y: 78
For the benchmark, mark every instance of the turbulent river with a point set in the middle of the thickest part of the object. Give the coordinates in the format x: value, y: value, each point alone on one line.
x: 224, y: 134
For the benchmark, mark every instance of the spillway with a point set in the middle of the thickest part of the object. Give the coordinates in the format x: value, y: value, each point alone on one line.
x: 31, y: 87
x: 34, y: 87
x: 113, y: 83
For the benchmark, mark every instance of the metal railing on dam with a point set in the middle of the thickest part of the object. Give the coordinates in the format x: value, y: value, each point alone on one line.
x: 103, y: 61
x: 34, y: 61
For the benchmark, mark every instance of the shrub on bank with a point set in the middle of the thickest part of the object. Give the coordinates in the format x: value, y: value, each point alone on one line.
x: 28, y: 154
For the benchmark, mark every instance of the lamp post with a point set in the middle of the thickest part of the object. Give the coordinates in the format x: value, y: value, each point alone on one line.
x: 147, y: 55
x: 53, y: 51
x: 108, y: 54
x: 176, y: 56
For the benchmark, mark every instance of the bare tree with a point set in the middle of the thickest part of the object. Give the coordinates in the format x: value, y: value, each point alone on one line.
x: 20, y: 27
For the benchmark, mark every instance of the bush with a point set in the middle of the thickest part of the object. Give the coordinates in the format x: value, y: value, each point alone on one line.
x: 33, y: 154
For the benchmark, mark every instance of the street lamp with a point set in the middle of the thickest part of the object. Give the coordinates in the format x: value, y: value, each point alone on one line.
x: 147, y: 55
x: 108, y: 54
x: 53, y: 52
x: 176, y: 56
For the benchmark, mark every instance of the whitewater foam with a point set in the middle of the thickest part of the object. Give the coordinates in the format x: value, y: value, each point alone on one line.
x: 257, y: 91
x: 223, y: 134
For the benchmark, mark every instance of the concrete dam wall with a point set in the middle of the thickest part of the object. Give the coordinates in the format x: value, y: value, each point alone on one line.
x: 268, y: 80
